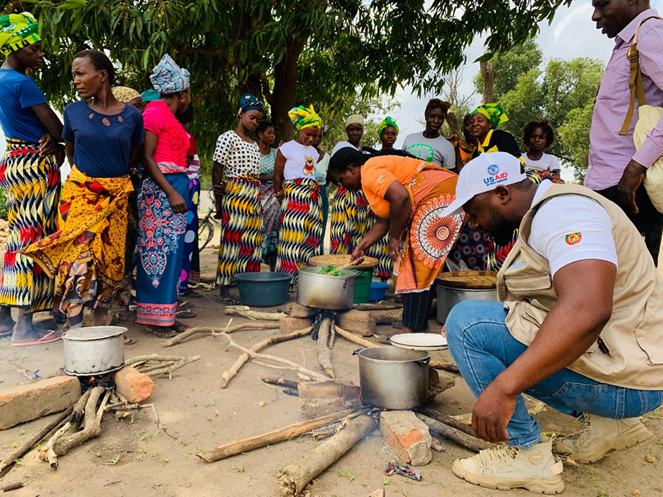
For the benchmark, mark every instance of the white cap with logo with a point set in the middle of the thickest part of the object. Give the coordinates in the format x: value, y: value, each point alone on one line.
x: 484, y: 174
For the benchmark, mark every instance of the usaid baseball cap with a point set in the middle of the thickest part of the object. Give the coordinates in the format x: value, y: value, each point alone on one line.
x: 484, y: 174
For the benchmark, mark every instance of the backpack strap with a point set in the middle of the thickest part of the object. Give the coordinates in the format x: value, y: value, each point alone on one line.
x: 635, y: 80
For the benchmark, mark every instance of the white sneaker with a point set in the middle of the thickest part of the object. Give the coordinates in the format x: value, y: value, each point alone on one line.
x: 506, y: 467
x: 603, y: 436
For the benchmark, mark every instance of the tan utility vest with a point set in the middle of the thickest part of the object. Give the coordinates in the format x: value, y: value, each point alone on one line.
x: 633, y: 335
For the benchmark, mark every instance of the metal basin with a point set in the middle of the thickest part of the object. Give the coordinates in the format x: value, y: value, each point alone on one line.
x: 448, y: 297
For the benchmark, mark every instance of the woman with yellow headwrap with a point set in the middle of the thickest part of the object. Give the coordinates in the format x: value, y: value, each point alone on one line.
x: 388, y: 132
x: 294, y: 182
x: 30, y: 178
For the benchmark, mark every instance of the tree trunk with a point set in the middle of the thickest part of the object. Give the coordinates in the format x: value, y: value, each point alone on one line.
x: 285, y: 90
x: 488, y: 77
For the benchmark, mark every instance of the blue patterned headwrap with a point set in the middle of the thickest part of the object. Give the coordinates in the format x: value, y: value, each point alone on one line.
x: 167, y: 77
x: 249, y: 102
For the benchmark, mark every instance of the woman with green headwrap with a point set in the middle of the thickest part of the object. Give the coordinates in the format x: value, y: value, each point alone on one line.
x: 30, y: 178
x: 483, y: 126
x: 295, y: 183
x: 388, y: 132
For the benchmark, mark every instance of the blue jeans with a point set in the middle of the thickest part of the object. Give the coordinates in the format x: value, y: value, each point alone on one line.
x: 482, y: 347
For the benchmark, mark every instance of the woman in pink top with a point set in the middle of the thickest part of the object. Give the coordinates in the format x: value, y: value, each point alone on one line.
x: 161, y: 205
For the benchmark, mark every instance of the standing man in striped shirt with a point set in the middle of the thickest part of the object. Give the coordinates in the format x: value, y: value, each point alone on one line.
x: 616, y: 169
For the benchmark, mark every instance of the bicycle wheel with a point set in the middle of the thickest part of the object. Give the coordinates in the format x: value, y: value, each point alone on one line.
x: 205, y: 233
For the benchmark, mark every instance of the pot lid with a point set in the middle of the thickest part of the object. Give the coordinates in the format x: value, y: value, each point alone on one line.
x: 469, y: 279
x: 93, y: 333
x: 419, y: 341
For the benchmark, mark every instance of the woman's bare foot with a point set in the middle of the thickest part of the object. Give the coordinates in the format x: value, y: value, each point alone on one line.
x: 6, y: 322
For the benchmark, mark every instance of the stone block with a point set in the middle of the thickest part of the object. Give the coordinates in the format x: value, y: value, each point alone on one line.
x: 33, y: 400
x: 407, y: 436
x: 133, y: 385
x: 290, y: 324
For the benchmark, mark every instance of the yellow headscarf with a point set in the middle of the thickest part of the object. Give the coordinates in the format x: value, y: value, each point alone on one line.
x: 495, y: 113
x: 302, y: 117
x: 18, y: 31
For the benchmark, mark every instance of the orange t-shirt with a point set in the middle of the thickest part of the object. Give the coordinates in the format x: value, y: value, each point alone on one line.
x: 377, y: 175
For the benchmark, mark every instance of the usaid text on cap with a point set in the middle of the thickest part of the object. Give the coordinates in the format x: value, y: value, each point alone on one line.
x: 495, y: 176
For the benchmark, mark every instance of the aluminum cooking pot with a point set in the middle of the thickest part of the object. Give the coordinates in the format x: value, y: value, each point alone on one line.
x: 322, y: 291
x: 393, y: 378
x: 94, y: 350
x: 448, y: 297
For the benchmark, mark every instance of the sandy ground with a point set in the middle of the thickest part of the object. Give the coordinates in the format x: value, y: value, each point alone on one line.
x: 135, y: 458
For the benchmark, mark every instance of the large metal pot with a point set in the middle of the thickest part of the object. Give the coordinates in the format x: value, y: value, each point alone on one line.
x: 323, y: 291
x: 448, y: 297
x: 94, y: 350
x: 393, y: 378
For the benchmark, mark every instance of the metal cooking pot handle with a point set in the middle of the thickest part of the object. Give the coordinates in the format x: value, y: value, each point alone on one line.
x: 356, y: 275
x: 359, y: 350
x: 424, y: 361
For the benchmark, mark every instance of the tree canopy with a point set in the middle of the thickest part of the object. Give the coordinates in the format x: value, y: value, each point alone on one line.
x: 288, y: 52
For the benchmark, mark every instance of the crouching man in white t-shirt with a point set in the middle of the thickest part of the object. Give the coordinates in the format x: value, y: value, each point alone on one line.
x: 577, y: 326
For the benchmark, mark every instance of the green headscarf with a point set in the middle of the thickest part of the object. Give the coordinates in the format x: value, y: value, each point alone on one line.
x: 150, y: 96
x: 388, y: 121
x: 18, y: 31
x: 302, y: 117
x: 494, y: 112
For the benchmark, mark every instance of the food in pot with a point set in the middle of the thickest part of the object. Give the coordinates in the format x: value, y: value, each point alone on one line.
x: 330, y: 270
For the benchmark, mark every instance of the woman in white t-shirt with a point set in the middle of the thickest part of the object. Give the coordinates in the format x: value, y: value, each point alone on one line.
x: 539, y: 136
x: 295, y: 184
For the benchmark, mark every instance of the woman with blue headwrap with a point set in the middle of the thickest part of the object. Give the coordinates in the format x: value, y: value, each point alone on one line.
x: 300, y: 237
x: 236, y: 183
x: 30, y: 178
x: 161, y: 205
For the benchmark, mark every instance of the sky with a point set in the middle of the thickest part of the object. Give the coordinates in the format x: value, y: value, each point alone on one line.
x: 572, y: 34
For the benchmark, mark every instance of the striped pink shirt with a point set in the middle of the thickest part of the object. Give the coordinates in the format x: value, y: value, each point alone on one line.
x: 609, y: 153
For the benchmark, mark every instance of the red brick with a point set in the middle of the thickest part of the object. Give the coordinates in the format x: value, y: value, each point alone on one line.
x: 289, y: 324
x: 33, y: 400
x: 407, y: 436
x: 133, y: 385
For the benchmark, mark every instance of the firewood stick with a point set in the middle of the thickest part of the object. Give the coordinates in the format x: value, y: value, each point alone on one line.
x: 243, y: 359
x: 354, y: 338
x: 332, y: 335
x: 165, y: 364
x: 451, y: 367
x: 152, y: 357
x: 79, y: 408
x: 324, y: 352
x: 377, y: 307
x: 447, y: 420
x: 254, y: 355
x: 436, y: 445
x: 8, y: 462
x: 169, y: 369
x: 215, y: 329
x: 282, y: 382
x: 243, y: 310
x: 469, y: 442
x: 47, y: 453
x: 293, y: 479
x: 92, y: 426
x: 286, y: 433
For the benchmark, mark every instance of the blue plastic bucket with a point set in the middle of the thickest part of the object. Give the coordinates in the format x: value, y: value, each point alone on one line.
x: 263, y: 289
x: 378, y: 289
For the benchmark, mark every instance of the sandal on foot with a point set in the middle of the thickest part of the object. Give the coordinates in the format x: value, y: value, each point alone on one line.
x: 50, y: 337
x: 185, y: 314
x: 161, y: 331
x: 178, y: 327
x: 192, y: 294
x: 227, y: 301
x: 129, y: 341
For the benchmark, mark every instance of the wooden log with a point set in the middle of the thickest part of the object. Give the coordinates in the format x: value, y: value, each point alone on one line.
x: 282, y: 382
x: 8, y: 462
x: 169, y: 369
x: 286, y: 433
x: 449, y: 367
x: 386, y: 316
x: 13, y: 486
x: 79, y: 408
x: 354, y: 338
x: 47, y: 453
x: 463, y: 439
x: 243, y: 359
x: 358, y: 322
x: 153, y: 357
x: 293, y: 479
x: 324, y: 352
x: 293, y: 365
x: 92, y: 425
x: 296, y: 310
x: 377, y: 307
x: 447, y: 420
x: 216, y: 329
x: 245, y: 310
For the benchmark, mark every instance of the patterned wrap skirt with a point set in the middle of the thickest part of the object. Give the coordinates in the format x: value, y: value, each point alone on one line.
x: 429, y: 237
x: 324, y: 198
x: 32, y: 191
x: 301, y: 226
x: 352, y: 218
x: 86, y: 256
x: 242, y: 229
x: 271, y: 213
x: 191, y: 237
x: 160, y: 251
